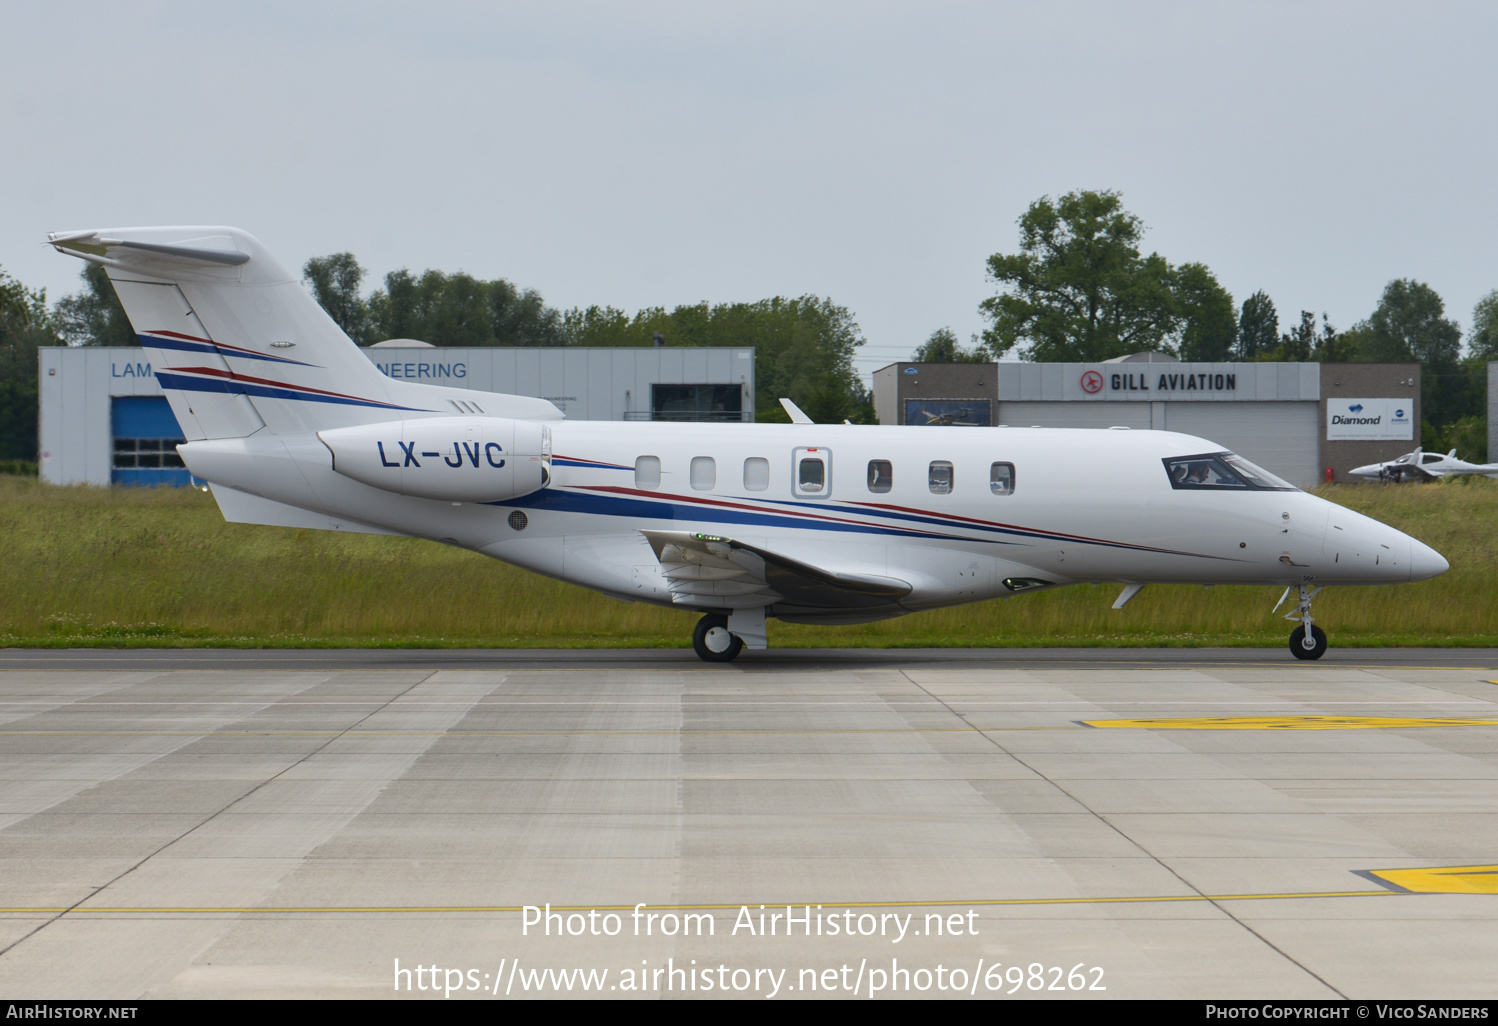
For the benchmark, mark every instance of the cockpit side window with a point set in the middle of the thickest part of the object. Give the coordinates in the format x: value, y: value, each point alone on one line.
x: 1219, y: 471
x: 1430, y: 457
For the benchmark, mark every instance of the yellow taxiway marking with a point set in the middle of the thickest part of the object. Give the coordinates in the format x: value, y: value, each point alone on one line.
x: 496, y: 733
x: 1441, y: 879
x: 1291, y: 723
x: 387, y: 909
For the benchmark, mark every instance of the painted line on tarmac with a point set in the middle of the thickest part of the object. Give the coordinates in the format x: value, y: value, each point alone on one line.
x: 1437, y: 880
x: 1288, y: 723
x: 416, y: 909
x: 503, y: 733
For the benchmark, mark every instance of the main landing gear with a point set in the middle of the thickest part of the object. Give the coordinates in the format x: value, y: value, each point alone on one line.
x: 713, y: 642
x: 1307, y: 641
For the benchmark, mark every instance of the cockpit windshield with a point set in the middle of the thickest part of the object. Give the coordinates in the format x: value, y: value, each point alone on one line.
x: 1222, y: 470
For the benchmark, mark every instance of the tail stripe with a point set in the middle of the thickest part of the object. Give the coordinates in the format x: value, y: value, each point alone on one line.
x: 227, y: 381
x: 160, y: 339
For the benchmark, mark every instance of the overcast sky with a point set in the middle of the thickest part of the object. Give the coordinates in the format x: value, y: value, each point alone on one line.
x: 641, y: 154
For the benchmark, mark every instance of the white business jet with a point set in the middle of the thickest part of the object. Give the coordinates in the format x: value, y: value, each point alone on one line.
x: 1423, y: 466
x: 291, y: 425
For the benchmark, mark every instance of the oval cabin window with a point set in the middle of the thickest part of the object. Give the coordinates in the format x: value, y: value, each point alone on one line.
x: 648, y: 472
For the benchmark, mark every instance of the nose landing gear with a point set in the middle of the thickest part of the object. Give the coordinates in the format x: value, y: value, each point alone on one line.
x: 1303, y: 647
x: 1306, y: 641
x: 713, y: 642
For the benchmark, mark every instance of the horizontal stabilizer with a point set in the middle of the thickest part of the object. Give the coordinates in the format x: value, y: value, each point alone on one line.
x: 146, y: 256
x: 243, y: 508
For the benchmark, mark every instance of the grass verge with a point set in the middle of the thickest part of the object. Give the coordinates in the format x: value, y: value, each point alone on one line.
x: 160, y: 568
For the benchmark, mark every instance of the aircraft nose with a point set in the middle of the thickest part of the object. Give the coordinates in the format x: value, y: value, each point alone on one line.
x: 1426, y: 562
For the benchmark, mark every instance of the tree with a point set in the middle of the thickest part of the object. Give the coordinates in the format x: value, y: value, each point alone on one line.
x: 1410, y: 326
x: 334, y: 281
x: 1258, y: 327
x: 1482, y: 342
x: 1297, y: 343
x: 804, y: 347
x: 1079, y: 288
x: 443, y: 309
x: 943, y: 347
x: 1208, y: 331
x: 1469, y: 437
x: 24, y: 325
x: 1332, y: 346
x: 94, y: 316
x: 1306, y: 342
x: 461, y: 310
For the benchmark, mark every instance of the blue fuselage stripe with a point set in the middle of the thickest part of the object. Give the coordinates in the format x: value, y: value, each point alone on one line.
x: 185, y: 346
x: 652, y: 509
x: 236, y: 387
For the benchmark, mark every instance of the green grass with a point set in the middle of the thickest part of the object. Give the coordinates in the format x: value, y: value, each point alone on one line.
x: 159, y: 567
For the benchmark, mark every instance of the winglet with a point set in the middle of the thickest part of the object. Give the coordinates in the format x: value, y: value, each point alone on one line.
x: 797, y: 417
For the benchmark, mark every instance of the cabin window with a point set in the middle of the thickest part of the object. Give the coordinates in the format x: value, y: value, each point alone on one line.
x: 940, y: 477
x: 756, y: 474
x: 648, y: 472
x: 704, y: 473
x: 812, y: 474
x: 881, y: 475
x: 1001, y: 478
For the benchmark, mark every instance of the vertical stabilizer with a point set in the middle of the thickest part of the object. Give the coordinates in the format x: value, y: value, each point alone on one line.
x: 236, y: 342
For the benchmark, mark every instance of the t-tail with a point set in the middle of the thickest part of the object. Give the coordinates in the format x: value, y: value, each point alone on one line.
x: 283, y: 415
x: 239, y: 346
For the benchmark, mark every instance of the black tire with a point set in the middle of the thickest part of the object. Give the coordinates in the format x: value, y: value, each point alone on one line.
x: 1318, y: 643
x: 705, y: 641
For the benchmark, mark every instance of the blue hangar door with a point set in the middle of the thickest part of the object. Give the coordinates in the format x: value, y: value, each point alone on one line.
x: 145, y: 442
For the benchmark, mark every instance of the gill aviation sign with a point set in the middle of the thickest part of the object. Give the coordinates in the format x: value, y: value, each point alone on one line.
x: 1158, y: 382
x: 1186, y: 378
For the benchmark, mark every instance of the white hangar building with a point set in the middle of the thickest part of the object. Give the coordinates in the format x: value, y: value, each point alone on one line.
x: 105, y: 420
x: 1306, y: 422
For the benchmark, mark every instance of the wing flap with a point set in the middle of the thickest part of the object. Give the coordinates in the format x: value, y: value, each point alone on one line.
x: 710, y: 570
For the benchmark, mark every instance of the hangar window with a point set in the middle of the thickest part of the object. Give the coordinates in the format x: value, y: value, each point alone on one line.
x: 1219, y: 471
x: 939, y: 477
x: 697, y: 402
x: 145, y: 435
x: 132, y: 453
x: 1001, y: 478
x: 704, y: 473
x: 756, y: 473
x: 881, y: 475
x: 648, y: 472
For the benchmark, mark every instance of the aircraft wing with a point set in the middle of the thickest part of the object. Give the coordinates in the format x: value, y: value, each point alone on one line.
x: 706, y: 570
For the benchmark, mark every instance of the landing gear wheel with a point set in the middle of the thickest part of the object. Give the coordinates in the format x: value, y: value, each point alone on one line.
x: 1301, y: 650
x: 714, y: 644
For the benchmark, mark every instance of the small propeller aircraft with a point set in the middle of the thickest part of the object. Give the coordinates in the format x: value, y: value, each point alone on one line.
x: 808, y: 523
x: 1423, y: 466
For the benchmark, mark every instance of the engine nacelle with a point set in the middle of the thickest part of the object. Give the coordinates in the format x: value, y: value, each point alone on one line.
x: 461, y: 459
